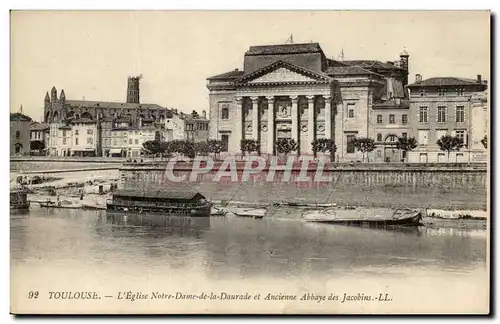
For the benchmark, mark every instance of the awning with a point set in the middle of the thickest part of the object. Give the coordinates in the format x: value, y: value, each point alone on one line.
x: 115, y: 151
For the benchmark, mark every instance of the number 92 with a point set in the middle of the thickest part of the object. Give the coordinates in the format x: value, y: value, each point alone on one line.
x: 33, y: 295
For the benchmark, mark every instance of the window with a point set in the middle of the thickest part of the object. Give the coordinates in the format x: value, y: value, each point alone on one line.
x: 423, y: 136
x: 379, y: 154
x: 224, y: 113
x: 350, y: 110
x: 90, y: 141
x: 225, y: 142
x: 18, y: 134
x: 441, y: 92
x: 64, y: 133
x: 423, y: 92
x: 90, y: 131
x: 379, y: 119
x: 76, y: 132
x: 76, y: 141
x: 64, y: 141
x: 441, y: 114
x: 136, y: 141
x: 422, y: 116
x: 461, y: 135
x: 392, y: 119
x: 350, y: 144
x: 130, y: 141
x: 404, y: 135
x: 404, y: 119
x: 460, y: 114
x: 460, y: 91
x: 379, y: 137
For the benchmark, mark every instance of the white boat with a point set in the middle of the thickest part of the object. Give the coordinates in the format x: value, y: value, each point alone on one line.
x: 365, y: 216
x: 217, y: 212
x: 249, y: 212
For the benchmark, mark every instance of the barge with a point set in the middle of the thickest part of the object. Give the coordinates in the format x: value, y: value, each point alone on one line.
x: 159, y: 202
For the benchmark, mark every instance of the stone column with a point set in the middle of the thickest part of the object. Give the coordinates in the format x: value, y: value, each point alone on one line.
x: 255, y: 118
x: 238, y: 129
x: 311, y: 131
x: 295, y: 119
x: 270, y: 125
x: 328, y: 117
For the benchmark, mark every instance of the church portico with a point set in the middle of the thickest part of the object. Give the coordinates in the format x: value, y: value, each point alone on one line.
x: 266, y: 118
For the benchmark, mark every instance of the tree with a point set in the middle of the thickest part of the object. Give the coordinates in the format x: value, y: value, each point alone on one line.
x: 153, y: 147
x: 214, y: 146
x: 249, y: 145
x: 37, y: 146
x: 450, y: 143
x: 406, y: 144
x: 286, y: 145
x: 202, y: 148
x: 484, y: 141
x: 324, y: 145
x: 364, y: 145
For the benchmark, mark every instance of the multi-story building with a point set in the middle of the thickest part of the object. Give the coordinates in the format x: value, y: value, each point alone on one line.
x: 60, y: 139
x: 444, y: 106
x: 85, y: 141
x: 19, y: 134
x: 295, y: 91
x: 181, y: 126
x: 389, y: 121
x: 39, y: 132
x: 197, y: 128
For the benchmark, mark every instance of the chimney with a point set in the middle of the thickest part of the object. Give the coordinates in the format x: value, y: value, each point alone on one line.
x: 418, y: 78
x: 204, y: 114
x: 479, y: 78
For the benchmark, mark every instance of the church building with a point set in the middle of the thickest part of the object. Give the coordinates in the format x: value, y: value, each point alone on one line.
x: 295, y: 91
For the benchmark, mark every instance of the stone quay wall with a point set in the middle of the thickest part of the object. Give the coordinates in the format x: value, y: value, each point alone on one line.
x: 446, y: 186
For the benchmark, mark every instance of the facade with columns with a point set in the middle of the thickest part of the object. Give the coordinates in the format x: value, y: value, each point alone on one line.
x: 294, y: 91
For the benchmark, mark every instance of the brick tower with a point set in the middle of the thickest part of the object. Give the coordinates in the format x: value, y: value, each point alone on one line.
x: 133, y: 89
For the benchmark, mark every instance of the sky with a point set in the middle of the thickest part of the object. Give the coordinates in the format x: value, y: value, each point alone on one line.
x: 90, y: 54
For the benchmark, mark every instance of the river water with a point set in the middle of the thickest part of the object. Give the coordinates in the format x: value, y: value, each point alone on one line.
x: 429, y: 269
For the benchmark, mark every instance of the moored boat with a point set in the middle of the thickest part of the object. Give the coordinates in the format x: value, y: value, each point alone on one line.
x: 365, y: 216
x: 310, y: 205
x: 215, y: 211
x: 160, y: 202
x: 19, y: 199
x: 249, y: 212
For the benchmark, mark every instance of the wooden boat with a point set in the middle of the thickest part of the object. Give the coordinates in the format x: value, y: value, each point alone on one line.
x: 249, y: 212
x: 19, y: 199
x: 217, y: 212
x: 160, y: 202
x: 310, y: 205
x: 365, y: 216
x: 64, y: 204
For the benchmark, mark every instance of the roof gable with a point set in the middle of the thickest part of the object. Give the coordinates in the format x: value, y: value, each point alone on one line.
x: 284, y: 49
x: 19, y: 117
x: 283, y: 72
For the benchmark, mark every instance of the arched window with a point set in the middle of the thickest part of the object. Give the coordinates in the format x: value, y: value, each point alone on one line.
x: 18, y: 134
x: 391, y: 138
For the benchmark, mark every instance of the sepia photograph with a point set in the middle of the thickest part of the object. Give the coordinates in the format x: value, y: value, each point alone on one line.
x: 326, y: 162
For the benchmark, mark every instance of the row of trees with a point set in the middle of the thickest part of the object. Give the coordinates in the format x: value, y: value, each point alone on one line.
x: 186, y: 148
x: 288, y: 145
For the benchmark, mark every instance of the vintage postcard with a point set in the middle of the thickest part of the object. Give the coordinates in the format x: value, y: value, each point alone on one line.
x: 250, y: 162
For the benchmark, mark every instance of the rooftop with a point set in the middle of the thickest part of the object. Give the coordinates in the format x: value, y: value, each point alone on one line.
x: 157, y: 193
x: 19, y: 117
x: 446, y: 81
x: 228, y: 75
x: 284, y: 49
x: 349, y: 70
x: 112, y: 105
x: 39, y: 126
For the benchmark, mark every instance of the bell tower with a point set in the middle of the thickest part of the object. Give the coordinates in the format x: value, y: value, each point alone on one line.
x: 133, y: 89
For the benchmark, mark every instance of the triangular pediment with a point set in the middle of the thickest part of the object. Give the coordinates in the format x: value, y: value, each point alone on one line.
x: 283, y: 72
